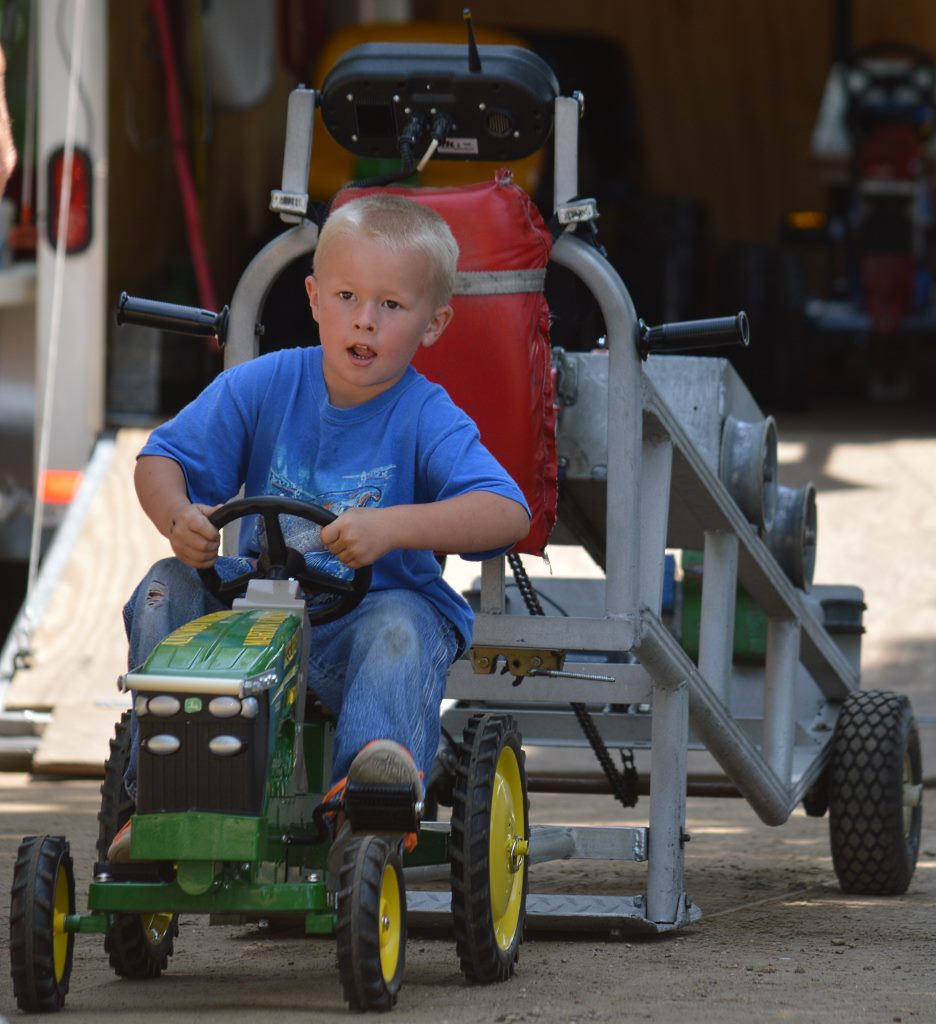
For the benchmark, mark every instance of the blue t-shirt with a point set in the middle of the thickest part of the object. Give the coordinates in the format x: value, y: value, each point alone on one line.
x: 267, y: 425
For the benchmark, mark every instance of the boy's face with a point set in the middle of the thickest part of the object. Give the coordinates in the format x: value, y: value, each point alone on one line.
x: 375, y: 311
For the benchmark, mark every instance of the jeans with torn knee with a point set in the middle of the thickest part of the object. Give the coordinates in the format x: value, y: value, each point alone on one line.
x: 169, y: 595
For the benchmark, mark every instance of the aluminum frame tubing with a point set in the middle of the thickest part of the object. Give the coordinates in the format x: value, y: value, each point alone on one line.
x: 668, y: 770
x: 758, y: 571
x: 655, y: 482
x: 716, y: 628
x: 737, y: 755
x: 625, y: 423
x: 783, y: 646
x: 567, y: 113
x: 626, y: 452
x: 639, y: 482
x: 297, y: 156
x: 254, y: 285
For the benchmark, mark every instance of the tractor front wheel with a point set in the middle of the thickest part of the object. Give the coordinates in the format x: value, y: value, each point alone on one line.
x: 40, y: 948
x: 371, y: 924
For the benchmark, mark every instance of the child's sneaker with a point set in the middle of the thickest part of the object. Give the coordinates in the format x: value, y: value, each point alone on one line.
x: 119, y: 850
x: 386, y: 762
x: 381, y: 762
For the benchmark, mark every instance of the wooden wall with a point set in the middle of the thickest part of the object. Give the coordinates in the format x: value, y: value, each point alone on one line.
x: 727, y: 93
x: 234, y: 170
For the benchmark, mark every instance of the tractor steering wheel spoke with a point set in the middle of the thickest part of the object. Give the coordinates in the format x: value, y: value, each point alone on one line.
x: 275, y: 542
x: 318, y: 582
x: 278, y: 559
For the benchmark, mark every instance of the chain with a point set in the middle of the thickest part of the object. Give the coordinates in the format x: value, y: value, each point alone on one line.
x: 623, y: 782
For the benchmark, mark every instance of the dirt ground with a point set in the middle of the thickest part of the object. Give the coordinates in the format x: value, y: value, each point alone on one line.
x: 778, y: 940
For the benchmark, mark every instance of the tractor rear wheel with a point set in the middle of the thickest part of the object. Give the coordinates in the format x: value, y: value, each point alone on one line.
x: 40, y: 948
x: 875, y: 794
x: 138, y: 945
x: 489, y: 848
x: 371, y: 924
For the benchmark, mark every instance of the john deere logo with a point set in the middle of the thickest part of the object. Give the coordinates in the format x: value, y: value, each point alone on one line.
x: 192, y: 705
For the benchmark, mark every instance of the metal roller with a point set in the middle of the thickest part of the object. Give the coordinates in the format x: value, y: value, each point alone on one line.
x: 748, y: 467
x: 792, y: 538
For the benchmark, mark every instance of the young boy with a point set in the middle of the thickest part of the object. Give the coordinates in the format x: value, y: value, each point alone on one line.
x: 352, y: 426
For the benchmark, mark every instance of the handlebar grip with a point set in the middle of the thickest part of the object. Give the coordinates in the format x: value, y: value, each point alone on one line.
x: 168, y: 316
x: 688, y: 335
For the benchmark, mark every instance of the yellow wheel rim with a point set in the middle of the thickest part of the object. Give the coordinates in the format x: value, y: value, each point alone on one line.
x: 60, y: 936
x: 155, y: 926
x: 389, y: 923
x: 508, y: 848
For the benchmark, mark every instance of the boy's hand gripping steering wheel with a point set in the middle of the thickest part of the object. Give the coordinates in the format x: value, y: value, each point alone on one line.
x: 279, y: 562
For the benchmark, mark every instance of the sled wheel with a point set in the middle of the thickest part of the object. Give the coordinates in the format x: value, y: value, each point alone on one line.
x: 371, y: 924
x: 489, y: 848
x: 875, y: 794
x: 40, y: 948
x: 138, y: 945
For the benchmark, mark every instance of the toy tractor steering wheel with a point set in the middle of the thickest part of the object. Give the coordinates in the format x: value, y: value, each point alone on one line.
x: 280, y: 562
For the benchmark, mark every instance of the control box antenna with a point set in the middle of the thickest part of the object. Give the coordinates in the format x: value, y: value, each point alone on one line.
x: 474, y: 58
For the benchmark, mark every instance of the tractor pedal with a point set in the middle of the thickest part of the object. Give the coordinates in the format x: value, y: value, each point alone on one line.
x: 382, y: 807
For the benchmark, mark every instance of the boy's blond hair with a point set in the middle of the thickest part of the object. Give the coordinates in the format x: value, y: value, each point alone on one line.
x: 401, y: 225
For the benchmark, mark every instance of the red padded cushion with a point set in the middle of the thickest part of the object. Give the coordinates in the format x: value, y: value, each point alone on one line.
x: 494, y: 357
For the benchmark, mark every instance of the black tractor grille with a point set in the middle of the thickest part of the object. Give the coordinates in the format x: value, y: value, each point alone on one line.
x: 193, y: 777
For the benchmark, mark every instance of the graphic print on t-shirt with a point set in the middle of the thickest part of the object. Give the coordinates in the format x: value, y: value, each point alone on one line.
x: 365, y: 491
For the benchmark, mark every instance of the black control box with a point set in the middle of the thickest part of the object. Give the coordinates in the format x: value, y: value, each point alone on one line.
x: 502, y: 110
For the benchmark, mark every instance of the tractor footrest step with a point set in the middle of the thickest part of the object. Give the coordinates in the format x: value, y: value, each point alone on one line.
x: 381, y: 807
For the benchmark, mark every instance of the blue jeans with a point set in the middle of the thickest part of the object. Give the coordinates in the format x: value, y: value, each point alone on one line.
x: 381, y: 669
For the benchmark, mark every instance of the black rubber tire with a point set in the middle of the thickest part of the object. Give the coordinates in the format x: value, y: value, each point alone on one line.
x: 371, y: 924
x: 488, y: 942
x: 138, y: 945
x: 875, y: 838
x: 43, y: 883
x: 116, y: 803
x: 816, y: 798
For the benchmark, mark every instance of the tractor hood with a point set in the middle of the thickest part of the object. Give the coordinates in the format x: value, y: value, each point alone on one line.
x: 226, y: 644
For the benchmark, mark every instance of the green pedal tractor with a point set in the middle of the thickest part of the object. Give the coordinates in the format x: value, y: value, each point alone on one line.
x: 232, y: 816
